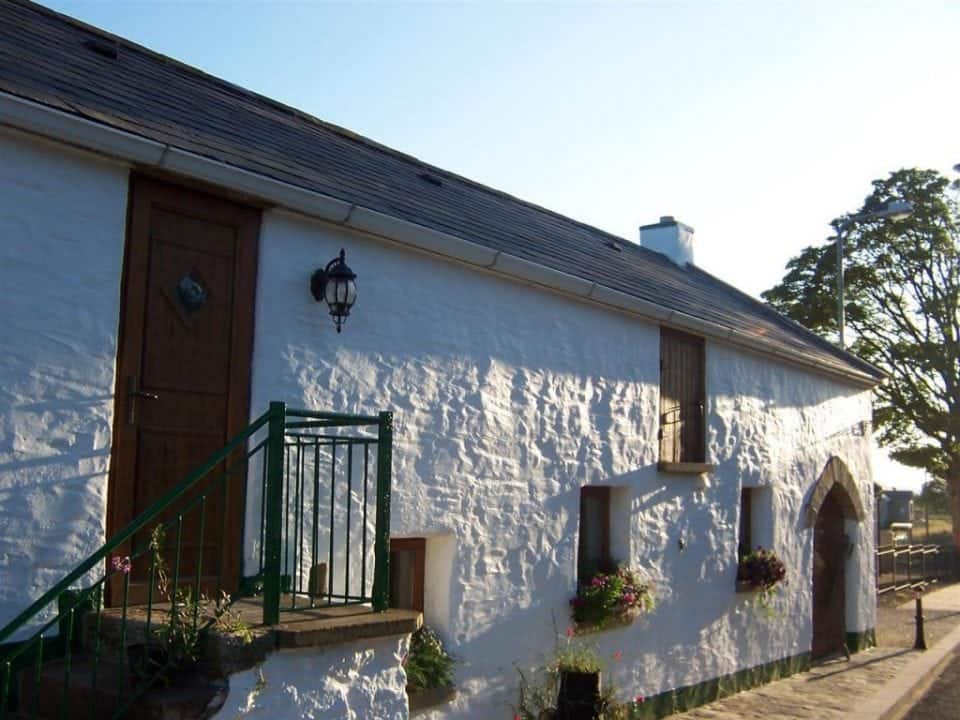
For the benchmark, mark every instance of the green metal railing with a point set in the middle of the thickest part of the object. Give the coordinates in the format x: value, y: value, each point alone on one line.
x: 317, y: 497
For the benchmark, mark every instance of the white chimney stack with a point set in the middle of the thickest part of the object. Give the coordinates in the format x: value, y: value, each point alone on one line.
x: 672, y: 238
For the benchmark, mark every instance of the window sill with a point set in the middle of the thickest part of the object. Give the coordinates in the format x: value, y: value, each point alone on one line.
x: 685, y: 468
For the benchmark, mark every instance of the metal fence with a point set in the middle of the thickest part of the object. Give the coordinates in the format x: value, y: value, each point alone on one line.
x: 908, y: 567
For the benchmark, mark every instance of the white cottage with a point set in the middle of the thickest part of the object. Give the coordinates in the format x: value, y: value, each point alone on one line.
x: 559, y: 394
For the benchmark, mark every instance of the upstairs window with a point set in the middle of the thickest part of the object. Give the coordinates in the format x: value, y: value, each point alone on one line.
x: 682, y: 398
x: 593, y: 553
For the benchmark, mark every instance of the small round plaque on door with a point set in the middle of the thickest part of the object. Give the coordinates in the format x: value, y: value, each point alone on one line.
x: 191, y: 294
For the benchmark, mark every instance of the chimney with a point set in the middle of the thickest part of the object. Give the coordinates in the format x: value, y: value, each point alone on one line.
x: 672, y: 238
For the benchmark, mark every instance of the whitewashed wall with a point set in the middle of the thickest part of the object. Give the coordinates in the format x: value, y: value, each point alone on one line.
x: 358, y: 681
x: 509, y: 398
x: 62, y: 224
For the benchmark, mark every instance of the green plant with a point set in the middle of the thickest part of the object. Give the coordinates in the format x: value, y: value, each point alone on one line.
x: 428, y: 665
x: 764, y: 571
x: 607, y: 597
x: 539, y: 689
x: 177, y: 640
x: 576, y: 657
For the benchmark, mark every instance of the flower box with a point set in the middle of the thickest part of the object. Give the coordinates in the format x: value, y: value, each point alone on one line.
x: 610, y: 599
x: 422, y: 699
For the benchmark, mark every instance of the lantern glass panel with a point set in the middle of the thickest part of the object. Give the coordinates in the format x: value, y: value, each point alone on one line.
x: 330, y: 292
x: 351, y: 293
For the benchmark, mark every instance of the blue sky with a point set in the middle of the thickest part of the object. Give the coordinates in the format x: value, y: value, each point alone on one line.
x: 754, y: 122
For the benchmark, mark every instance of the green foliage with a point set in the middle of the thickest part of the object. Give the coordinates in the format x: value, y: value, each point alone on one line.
x: 761, y: 568
x: 428, y: 664
x: 933, y: 497
x: 577, y: 657
x: 902, y: 305
x: 539, y: 689
x: 178, y: 638
x: 608, y: 597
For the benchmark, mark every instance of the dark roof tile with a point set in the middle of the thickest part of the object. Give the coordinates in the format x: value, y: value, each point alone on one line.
x: 43, y: 58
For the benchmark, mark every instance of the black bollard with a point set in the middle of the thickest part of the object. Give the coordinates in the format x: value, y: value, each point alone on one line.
x: 920, y: 643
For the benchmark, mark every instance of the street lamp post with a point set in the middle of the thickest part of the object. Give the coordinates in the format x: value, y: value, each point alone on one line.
x: 894, y: 210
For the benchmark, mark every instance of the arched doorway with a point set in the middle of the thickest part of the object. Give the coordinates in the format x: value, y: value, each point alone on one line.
x: 833, y: 500
x: 829, y: 577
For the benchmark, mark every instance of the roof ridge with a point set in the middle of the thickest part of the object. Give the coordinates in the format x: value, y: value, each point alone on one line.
x: 313, y: 119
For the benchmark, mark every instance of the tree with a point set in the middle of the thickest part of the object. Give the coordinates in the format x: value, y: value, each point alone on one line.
x: 933, y: 497
x: 902, y: 283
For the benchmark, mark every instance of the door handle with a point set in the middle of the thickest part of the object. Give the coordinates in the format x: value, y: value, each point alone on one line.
x: 133, y: 392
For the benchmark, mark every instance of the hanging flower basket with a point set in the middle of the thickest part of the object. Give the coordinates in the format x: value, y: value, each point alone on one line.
x: 760, y: 571
x: 611, y: 599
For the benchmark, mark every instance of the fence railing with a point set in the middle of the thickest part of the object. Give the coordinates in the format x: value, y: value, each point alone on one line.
x: 317, y: 500
x: 906, y: 567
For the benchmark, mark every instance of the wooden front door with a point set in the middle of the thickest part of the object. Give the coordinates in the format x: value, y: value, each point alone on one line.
x: 183, y: 374
x: 829, y: 578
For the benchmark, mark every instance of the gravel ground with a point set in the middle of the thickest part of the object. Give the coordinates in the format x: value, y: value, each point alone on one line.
x: 897, y: 628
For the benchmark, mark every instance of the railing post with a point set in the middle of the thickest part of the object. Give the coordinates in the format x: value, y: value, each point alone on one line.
x: 381, y: 546
x: 273, y: 534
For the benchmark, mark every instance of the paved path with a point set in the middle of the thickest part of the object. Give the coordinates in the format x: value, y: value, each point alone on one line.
x: 860, y: 688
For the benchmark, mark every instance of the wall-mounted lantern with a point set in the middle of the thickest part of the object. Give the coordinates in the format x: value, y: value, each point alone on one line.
x: 335, y: 285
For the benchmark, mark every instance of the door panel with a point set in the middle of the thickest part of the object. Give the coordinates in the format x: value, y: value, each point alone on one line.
x: 829, y: 578
x: 183, y: 369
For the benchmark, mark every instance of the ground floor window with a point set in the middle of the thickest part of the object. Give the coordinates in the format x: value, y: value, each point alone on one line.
x: 407, y: 561
x: 593, y: 554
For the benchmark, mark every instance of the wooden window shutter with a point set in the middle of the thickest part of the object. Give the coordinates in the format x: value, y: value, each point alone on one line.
x: 682, y: 398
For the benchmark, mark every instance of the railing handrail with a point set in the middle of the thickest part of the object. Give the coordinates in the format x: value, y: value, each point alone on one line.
x: 320, y: 415
x: 131, y: 528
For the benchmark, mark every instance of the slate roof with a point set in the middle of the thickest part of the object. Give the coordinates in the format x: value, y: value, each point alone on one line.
x: 48, y: 58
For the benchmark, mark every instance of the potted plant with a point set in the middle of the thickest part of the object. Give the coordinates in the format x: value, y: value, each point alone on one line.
x: 569, y: 685
x: 760, y: 571
x: 429, y: 669
x: 580, y: 675
x: 606, y: 598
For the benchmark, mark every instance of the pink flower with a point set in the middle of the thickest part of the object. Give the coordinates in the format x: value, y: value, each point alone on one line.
x: 516, y: 717
x: 639, y: 699
x: 571, y: 632
x: 121, y: 564
x: 617, y: 655
x: 597, y: 581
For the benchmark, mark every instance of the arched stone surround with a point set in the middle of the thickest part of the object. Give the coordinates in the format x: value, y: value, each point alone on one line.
x: 835, y: 473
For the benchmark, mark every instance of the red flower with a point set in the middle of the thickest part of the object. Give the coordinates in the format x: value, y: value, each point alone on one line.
x: 571, y: 632
x: 617, y: 655
x: 639, y: 699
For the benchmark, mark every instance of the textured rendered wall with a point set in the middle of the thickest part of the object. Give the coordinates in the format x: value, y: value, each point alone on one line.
x: 353, y: 681
x: 508, y: 398
x: 62, y: 224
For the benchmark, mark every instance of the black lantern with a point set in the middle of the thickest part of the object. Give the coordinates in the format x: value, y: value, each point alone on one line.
x: 335, y: 285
